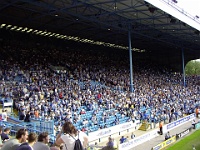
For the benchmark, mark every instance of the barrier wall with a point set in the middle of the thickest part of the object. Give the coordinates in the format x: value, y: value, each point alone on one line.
x: 47, y: 126
x: 183, y: 133
x: 172, y: 140
x: 150, y: 135
x: 8, y: 104
x: 38, y: 125
x: 165, y: 143
x: 178, y: 123
x: 112, y: 130
x: 138, y: 140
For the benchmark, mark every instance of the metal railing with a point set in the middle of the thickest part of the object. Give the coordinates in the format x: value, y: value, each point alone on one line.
x: 181, y: 10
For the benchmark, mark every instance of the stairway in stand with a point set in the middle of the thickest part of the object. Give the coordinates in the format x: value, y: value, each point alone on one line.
x: 145, y: 126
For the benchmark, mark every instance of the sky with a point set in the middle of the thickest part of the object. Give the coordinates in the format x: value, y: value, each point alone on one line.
x: 191, y: 6
x: 186, y: 10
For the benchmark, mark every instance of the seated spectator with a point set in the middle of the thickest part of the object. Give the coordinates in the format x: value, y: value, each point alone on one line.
x: 132, y: 135
x: 82, y: 112
x: 32, y: 138
x: 43, y: 140
x: 12, y: 144
x: 111, y: 145
x: 122, y: 139
x: 110, y: 142
x: 83, y: 129
x: 5, y: 135
x: 42, y: 92
x: 85, y: 122
x: 126, y: 140
x: 193, y: 123
x: 167, y: 136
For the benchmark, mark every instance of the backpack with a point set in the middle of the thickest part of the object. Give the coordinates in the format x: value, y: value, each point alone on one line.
x: 78, y: 144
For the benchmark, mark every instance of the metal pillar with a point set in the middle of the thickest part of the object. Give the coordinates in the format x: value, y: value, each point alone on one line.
x: 183, y: 67
x: 130, y: 59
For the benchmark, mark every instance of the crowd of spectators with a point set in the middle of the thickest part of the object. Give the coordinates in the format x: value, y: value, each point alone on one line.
x: 25, y: 140
x: 92, y: 88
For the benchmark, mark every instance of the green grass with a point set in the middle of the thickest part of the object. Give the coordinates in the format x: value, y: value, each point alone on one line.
x: 187, y: 142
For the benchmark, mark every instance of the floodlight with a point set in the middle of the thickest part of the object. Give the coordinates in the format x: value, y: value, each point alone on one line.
x: 14, y: 27
x: 19, y: 28
x: 8, y: 26
x: 3, y: 25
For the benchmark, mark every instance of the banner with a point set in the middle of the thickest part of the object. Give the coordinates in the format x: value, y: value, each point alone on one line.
x: 148, y: 136
x: 182, y: 134
x: 165, y: 143
x: 178, y: 122
x: 138, y: 140
x: 109, y: 131
x: 6, y: 104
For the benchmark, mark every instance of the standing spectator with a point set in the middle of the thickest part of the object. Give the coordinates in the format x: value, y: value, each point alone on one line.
x: 43, y: 140
x: 12, y: 144
x: 4, y: 115
x: 27, y: 117
x: 161, y: 127
x: 67, y: 139
x: 36, y: 113
x: 5, y: 134
x: 197, y: 112
x: 21, y: 115
x: 1, y: 129
x: 32, y: 138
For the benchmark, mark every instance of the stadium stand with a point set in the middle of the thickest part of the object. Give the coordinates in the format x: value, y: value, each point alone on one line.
x: 89, y: 92
x: 47, y: 78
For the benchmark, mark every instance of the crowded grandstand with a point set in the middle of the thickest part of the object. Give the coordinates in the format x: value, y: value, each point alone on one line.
x: 45, y: 84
